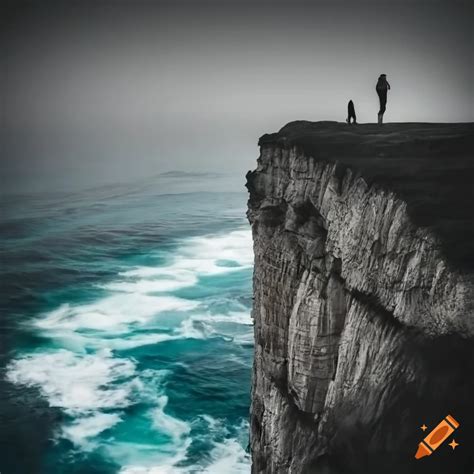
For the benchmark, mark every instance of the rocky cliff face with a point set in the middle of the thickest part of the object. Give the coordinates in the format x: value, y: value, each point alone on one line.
x: 364, y: 297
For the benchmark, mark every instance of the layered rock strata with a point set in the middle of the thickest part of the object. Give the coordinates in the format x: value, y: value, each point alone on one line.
x: 363, y: 297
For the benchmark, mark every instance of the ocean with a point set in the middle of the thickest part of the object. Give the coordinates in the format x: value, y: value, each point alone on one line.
x: 126, y: 339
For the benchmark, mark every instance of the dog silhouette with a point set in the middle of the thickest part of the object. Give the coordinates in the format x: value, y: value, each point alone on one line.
x: 351, y: 114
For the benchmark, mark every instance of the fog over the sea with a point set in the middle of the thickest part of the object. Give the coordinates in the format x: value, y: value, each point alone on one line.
x: 105, y: 91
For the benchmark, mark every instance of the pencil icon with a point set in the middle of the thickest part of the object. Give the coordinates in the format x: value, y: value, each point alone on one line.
x: 436, y: 437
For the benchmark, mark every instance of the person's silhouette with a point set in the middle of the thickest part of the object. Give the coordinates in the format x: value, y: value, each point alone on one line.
x: 351, y: 114
x: 382, y: 87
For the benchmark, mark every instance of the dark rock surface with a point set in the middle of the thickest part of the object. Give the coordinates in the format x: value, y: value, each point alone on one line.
x: 430, y: 166
x: 364, y: 297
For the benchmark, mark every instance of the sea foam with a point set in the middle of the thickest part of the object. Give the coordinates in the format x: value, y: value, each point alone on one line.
x: 81, y: 430
x: 228, y: 457
x: 94, y: 386
x: 113, y: 313
x: 196, y: 257
x: 83, y: 386
x: 76, y: 383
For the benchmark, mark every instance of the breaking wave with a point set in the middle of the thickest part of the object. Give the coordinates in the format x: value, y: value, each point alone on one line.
x: 110, y: 366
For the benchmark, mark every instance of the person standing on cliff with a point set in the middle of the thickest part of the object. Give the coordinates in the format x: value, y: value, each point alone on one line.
x: 382, y: 88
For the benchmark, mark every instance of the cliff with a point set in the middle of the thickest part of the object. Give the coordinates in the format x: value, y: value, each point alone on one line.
x: 363, y: 297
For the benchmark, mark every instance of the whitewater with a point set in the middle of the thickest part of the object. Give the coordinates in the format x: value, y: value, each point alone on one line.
x: 138, y: 340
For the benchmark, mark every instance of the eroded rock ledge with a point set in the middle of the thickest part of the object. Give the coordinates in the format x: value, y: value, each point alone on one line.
x: 364, y: 296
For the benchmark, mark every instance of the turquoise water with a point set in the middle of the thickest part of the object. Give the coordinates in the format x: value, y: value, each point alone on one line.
x: 126, y: 331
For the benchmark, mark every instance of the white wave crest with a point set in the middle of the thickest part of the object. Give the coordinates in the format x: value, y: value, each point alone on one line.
x: 167, y: 424
x: 198, y: 256
x: 168, y: 469
x: 112, y: 313
x: 81, y: 385
x: 233, y: 317
x: 228, y: 457
x: 76, y: 383
x: 81, y: 430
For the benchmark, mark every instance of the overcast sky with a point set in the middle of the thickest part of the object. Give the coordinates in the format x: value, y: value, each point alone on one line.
x: 107, y: 91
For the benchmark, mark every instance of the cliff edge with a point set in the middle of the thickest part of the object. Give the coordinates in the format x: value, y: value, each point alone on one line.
x: 363, y: 297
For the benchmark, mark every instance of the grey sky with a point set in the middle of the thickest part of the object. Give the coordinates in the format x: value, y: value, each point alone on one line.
x: 105, y: 91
